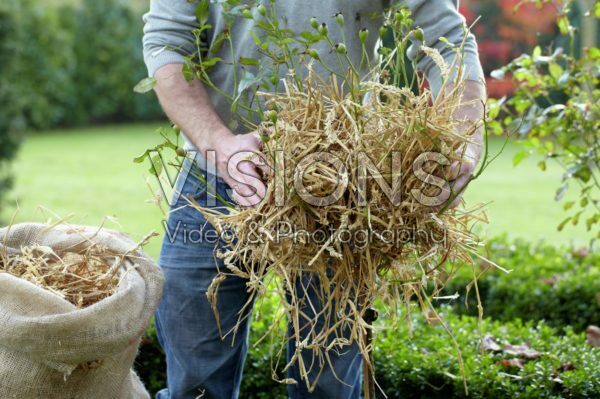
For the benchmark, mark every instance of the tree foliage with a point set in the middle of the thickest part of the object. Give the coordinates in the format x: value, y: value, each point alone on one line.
x: 69, y: 65
x: 556, y: 114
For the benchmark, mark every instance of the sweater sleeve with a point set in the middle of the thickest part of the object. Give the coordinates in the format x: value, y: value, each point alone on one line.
x: 440, y: 18
x: 168, y: 33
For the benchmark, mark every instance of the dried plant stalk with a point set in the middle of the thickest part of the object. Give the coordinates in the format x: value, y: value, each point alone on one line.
x: 82, y: 278
x: 320, y: 118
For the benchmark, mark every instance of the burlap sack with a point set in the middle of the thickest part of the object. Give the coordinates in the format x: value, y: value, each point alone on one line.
x: 51, y: 349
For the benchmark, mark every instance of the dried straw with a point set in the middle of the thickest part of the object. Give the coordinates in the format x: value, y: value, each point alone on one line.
x: 321, y: 118
x: 82, y: 278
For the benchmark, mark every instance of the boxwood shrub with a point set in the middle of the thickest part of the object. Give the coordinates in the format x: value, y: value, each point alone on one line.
x: 424, y: 364
x: 558, y: 285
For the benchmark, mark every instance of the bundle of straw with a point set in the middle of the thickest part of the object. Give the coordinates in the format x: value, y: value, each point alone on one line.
x: 344, y: 243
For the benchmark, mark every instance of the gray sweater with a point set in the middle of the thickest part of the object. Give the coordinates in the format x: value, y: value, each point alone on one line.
x: 169, y: 24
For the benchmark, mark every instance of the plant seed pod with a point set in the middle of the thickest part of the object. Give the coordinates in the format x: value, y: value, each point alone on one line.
x: 419, y: 34
x: 340, y: 48
x: 383, y: 31
x: 363, y: 35
x: 399, y: 16
x: 323, y: 29
x: 247, y: 14
x: 262, y: 10
x: 339, y: 19
x: 272, y: 116
x: 314, y: 23
x: 313, y: 53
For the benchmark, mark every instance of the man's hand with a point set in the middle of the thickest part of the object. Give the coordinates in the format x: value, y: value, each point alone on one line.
x: 189, y: 106
x: 469, y: 116
x: 239, y: 164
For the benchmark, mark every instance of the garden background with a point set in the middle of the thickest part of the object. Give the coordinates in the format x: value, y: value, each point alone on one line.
x: 70, y: 126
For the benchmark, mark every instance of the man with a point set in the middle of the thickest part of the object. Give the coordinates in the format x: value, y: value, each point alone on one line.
x: 199, y: 362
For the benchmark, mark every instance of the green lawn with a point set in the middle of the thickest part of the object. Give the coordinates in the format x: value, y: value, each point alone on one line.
x: 89, y: 173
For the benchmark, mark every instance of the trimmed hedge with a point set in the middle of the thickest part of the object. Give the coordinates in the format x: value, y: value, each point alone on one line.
x: 425, y: 365
x: 557, y: 285
x: 546, y: 283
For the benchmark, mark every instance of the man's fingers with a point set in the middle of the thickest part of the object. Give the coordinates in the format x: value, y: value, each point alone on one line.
x: 264, y: 168
x: 458, y: 187
x: 261, y: 164
x: 458, y: 177
x: 260, y: 144
x: 459, y: 168
x: 454, y: 171
x: 241, y: 201
x: 246, y: 202
x: 249, y: 190
x: 244, y: 195
x: 251, y: 177
x: 243, y: 190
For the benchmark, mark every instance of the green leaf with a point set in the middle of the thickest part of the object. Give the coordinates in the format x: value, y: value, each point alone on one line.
x: 246, y: 82
x: 537, y: 52
x: 560, y: 193
x: 209, y: 63
x: 562, y: 224
x: 542, y: 165
x: 145, y: 85
x: 157, y: 167
x: 217, y: 44
x: 591, y: 221
x: 256, y: 39
x: 248, y: 61
x: 202, y: 12
x: 555, y: 71
x: 519, y: 157
x: 564, y: 25
x: 188, y: 72
x: 493, y: 108
x: 310, y: 37
x: 568, y: 205
x: 583, y: 173
x: 141, y: 158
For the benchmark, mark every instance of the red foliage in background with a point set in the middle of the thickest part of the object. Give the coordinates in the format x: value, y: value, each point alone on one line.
x: 504, y: 33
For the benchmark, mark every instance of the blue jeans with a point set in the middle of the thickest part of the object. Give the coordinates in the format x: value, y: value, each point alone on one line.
x: 199, y: 362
